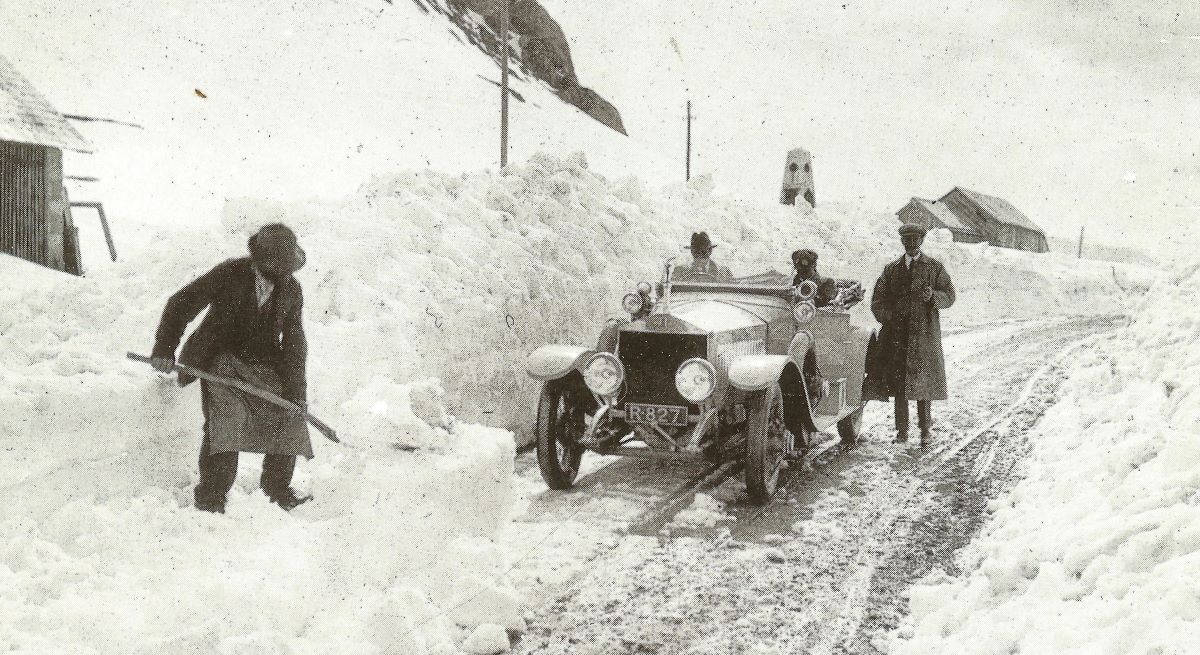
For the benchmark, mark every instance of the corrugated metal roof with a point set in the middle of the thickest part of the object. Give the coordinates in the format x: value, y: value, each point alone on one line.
x: 26, y: 116
x: 1001, y: 210
x: 946, y: 216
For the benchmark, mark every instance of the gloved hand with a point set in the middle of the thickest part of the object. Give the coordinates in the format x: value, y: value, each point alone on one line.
x: 163, y: 364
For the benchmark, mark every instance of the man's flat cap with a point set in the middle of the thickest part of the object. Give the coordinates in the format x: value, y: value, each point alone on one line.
x: 911, y: 229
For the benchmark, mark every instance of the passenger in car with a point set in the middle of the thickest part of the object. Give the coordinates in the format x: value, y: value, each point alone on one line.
x: 702, y: 268
x: 805, y: 263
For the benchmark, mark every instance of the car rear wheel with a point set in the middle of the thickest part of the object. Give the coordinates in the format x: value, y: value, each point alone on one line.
x: 850, y: 427
x: 560, y: 425
x: 766, y: 445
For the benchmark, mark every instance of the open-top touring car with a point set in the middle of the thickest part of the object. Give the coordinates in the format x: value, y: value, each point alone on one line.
x: 748, y: 368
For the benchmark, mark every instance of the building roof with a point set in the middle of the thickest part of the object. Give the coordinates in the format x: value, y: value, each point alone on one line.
x: 26, y: 116
x: 947, y: 217
x: 1000, y: 209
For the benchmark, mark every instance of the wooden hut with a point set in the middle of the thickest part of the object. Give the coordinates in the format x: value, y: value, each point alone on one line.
x: 35, y: 215
x: 931, y: 214
x: 1004, y: 225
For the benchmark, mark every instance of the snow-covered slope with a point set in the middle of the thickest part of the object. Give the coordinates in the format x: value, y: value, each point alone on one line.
x: 1098, y: 549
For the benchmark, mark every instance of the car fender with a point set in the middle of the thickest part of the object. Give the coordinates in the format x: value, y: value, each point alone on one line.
x: 757, y: 372
x: 553, y: 361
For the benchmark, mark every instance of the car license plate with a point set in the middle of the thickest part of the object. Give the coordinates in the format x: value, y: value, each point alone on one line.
x: 660, y: 414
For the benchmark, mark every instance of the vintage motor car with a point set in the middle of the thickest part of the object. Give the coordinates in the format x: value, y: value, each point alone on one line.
x: 745, y: 369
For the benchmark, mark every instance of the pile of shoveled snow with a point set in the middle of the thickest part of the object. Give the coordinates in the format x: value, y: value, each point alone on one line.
x: 1097, y: 550
x: 103, y: 553
x: 395, y: 555
x: 468, y: 273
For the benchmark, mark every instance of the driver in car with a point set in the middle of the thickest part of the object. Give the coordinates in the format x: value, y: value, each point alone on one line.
x: 702, y: 268
x: 805, y: 263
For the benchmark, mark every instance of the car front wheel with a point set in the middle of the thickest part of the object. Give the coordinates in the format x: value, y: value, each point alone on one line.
x: 560, y: 426
x: 766, y: 445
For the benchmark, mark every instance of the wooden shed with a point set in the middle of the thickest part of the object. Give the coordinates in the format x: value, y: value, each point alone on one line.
x: 931, y: 214
x: 35, y: 215
x: 1003, y: 224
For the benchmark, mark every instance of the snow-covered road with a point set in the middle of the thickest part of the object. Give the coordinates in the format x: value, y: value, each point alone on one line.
x: 614, y: 566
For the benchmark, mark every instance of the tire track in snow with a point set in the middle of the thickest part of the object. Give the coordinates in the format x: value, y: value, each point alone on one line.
x: 869, y: 521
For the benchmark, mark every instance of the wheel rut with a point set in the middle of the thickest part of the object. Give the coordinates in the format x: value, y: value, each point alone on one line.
x: 824, y: 567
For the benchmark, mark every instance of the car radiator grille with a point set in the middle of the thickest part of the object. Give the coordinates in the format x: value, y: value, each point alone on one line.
x: 651, y: 361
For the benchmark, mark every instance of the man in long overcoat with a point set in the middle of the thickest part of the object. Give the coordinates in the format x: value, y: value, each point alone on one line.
x: 252, y: 333
x: 907, y: 361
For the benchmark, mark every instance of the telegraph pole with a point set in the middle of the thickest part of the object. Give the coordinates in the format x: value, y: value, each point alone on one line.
x: 687, y: 171
x: 504, y: 84
x: 1079, y: 253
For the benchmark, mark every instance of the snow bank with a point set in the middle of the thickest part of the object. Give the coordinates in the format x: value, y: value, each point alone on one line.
x: 416, y: 277
x: 395, y: 555
x: 103, y: 554
x: 1097, y: 550
x: 468, y: 273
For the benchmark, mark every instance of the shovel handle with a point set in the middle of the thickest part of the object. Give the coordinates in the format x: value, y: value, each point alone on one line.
x: 250, y: 389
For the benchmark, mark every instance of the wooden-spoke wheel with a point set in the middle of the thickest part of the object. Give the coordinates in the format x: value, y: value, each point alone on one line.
x: 560, y: 426
x: 767, y: 445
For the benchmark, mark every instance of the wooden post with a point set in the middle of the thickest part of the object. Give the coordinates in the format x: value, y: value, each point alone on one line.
x: 687, y: 167
x: 504, y: 5
x: 1079, y: 254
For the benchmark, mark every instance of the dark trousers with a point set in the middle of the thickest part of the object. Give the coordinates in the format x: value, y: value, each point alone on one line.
x: 923, y: 414
x: 219, y: 470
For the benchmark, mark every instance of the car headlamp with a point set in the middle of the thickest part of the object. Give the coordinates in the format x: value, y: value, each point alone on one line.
x: 804, y: 312
x: 696, y: 380
x: 643, y: 288
x: 632, y: 303
x: 604, y: 374
x: 806, y: 290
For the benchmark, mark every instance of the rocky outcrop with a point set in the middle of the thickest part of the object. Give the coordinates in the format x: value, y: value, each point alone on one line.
x: 544, y: 52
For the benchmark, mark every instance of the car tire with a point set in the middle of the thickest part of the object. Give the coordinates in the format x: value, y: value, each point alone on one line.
x: 559, y: 428
x: 850, y: 427
x: 766, y: 445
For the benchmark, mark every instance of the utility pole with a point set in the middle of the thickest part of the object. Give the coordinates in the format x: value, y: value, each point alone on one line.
x: 504, y: 84
x: 1079, y: 253
x: 687, y: 171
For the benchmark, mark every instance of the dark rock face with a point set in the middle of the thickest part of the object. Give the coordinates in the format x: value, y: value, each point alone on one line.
x: 594, y: 105
x: 544, y: 50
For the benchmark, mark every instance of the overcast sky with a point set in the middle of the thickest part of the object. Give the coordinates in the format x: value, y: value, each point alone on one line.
x: 1076, y: 111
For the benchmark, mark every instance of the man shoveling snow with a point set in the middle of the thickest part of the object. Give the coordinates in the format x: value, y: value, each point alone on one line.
x: 253, y: 334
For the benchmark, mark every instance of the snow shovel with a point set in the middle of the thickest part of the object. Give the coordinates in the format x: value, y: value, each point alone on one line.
x: 252, y: 390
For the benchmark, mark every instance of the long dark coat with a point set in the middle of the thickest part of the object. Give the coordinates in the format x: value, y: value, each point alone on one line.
x: 228, y: 291
x: 908, y: 352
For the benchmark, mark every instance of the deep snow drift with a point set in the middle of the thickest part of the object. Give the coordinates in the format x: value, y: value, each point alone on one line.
x: 468, y: 273
x: 417, y: 276
x: 1097, y: 550
x: 103, y: 554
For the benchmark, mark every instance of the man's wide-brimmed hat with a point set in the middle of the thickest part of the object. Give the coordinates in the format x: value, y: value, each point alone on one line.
x: 911, y: 229
x: 804, y: 257
x: 275, y: 247
x: 700, y: 241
